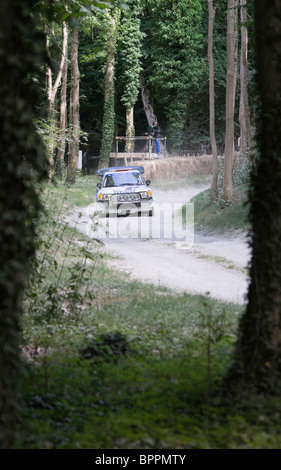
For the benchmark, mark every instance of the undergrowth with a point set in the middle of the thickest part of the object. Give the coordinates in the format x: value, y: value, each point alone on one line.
x: 111, y: 363
x: 219, y: 217
x: 216, y: 218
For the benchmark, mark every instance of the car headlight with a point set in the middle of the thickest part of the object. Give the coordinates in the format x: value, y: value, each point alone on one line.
x: 145, y: 194
x: 103, y: 197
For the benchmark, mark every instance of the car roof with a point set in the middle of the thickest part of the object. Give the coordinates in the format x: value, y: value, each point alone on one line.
x: 103, y: 171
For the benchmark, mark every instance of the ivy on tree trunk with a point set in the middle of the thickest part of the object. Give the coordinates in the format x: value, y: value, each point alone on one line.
x: 109, y: 92
x: 21, y: 57
x: 257, y: 365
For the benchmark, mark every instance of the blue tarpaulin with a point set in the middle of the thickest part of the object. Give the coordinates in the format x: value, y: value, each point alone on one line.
x: 157, y: 146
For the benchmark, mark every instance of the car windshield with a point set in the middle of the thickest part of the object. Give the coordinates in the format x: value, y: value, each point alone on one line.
x: 123, y: 179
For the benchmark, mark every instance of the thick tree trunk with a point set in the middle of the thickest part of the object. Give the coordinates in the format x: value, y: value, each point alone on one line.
x: 214, y: 187
x: 74, y: 111
x: 230, y: 98
x: 258, y: 363
x: 63, y: 112
x: 21, y: 57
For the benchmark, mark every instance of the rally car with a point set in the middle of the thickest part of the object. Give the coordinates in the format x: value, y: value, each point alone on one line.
x: 123, y: 191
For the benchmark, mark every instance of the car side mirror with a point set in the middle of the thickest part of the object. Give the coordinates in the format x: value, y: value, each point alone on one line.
x: 148, y: 182
x: 99, y: 185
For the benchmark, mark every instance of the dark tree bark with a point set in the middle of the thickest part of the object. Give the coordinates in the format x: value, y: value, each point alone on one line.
x: 63, y: 113
x: 74, y: 108
x: 214, y: 187
x: 148, y: 109
x: 246, y: 145
x: 230, y: 98
x: 258, y: 357
x: 21, y: 51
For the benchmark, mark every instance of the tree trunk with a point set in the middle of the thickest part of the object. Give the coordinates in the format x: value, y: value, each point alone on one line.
x: 244, y: 114
x: 74, y: 111
x: 21, y: 57
x: 63, y: 111
x: 130, y: 44
x: 148, y: 109
x: 243, y: 84
x: 130, y: 129
x: 52, y: 93
x: 258, y: 365
x: 214, y: 187
x: 230, y: 98
x: 51, y: 112
x: 109, y: 93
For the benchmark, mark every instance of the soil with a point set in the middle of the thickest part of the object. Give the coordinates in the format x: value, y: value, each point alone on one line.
x: 175, y: 167
x: 201, y: 264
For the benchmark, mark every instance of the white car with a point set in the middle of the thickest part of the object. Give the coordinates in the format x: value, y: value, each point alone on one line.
x: 123, y: 191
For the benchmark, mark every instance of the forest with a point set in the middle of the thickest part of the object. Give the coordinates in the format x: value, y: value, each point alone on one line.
x: 139, y: 61
x: 76, y: 74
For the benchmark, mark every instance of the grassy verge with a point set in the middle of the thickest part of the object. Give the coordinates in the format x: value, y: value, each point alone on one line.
x: 216, y: 218
x: 110, y: 363
x: 61, y: 197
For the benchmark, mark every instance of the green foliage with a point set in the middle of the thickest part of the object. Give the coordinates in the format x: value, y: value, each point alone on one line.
x: 172, y: 39
x: 130, y: 365
x: 92, y: 59
x: 50, y: 134
x: 86, y: 370
x: 71, y: 10
x: 130, y: 39
x: 217, y: 218
x: 46, y: 299
x: 108, y: 129
x: 110, y: 347
x: 241, y: 173
x: 220, y: 217
x: 174, y: 63
x: 169, y: 42
x: 138, y: 404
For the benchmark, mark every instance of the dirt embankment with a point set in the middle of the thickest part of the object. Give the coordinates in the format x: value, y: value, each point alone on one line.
x: 175, y: 167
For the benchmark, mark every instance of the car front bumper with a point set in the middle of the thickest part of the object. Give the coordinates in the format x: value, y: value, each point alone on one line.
x: 110, y: 208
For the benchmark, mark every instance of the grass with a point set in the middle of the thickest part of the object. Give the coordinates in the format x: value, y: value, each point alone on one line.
x: 181, y: 183
x: 220, y: 219
x: 110, y: 363
x: 62, y: 197
x: 223, y: 262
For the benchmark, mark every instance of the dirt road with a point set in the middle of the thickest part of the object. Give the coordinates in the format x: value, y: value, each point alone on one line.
x: 149, y: 250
